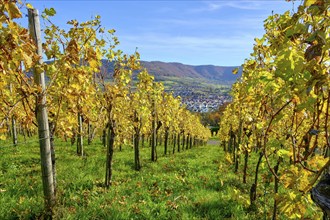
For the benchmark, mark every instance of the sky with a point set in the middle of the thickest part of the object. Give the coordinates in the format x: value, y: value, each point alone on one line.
x: 195, y: 32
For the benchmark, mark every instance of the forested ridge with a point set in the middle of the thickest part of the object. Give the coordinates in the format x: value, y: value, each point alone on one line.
x: 274, y: 138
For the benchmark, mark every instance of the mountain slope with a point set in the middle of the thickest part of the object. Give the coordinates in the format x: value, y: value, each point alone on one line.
x: 206, y: 72
x: 161, y: 70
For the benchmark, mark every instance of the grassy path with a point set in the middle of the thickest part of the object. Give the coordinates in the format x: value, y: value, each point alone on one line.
x: 214, y: 142
x: 193, y: 184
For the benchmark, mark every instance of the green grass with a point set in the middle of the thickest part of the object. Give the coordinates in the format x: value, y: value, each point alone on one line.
x: 194, y: 184
x: 181, y: 186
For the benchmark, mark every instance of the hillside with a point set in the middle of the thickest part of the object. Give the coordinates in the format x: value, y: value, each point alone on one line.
x: 222, y: 74
x: 162, y: 70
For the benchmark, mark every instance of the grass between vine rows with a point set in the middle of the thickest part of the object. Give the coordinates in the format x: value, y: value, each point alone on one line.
x: 194, y: 184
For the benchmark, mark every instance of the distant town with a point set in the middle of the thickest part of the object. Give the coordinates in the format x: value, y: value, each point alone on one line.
x: 201, y: 99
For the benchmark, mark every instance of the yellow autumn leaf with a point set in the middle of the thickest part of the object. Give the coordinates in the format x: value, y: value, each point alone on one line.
x: 29, y: 6
x: 2, y: 137
x: 94, y: 64
x: 292, y: 196
x: 228, y: 158
x: 27, y: 59
x: 13, y: 10
x: 310, y: 2
x: 2, y: 19
x: 235, y: 71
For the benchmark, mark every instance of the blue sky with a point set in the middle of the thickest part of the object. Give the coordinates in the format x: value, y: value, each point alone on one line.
x: 197, y: 32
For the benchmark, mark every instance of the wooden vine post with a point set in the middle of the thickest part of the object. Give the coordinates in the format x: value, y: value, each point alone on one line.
x: 80, y: 142
x: 13, y: 122
x: 42, y: 117
x: 154, y: 132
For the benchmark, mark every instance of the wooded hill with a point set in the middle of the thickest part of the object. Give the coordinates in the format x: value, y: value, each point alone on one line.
x: 162, y: 70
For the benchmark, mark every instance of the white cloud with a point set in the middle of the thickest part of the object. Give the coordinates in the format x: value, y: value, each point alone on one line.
x: 213, y: 6
x: 196, y: 50
x: 210, y: 6
x: 245, y: 5
x: 249, y: 22
x: 185, y: 46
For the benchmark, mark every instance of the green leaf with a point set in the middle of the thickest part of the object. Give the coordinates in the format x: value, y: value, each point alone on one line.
x: 308, y: 104
x: 50, y: 11
x: 283, y: 152
x: 112, y: 31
